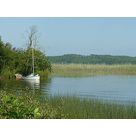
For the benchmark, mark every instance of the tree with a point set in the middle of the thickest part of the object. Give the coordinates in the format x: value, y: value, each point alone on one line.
x: 32, y: 37
x: 14, y: 60
x: 39, y: 60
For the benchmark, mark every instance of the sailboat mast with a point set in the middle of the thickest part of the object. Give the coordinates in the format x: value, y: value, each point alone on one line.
x: 33, y: 57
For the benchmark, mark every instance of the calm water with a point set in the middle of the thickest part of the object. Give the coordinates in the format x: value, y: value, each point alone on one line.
x: 111, y: 88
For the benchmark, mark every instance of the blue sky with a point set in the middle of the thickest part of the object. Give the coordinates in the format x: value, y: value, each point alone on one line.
x: 57, y: 36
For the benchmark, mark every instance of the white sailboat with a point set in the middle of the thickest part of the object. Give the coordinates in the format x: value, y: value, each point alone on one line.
x: 32, y: 76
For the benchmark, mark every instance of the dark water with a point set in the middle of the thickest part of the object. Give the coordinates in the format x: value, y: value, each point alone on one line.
x: 110, y: 88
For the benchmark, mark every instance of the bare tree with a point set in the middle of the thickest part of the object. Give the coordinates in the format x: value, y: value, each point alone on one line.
x: 32, y: 42
x: 32, y: 37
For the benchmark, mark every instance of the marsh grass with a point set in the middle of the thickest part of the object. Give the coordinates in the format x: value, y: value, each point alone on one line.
x: 90, y: 70
x: 27, y: 104
x: 76, y: 108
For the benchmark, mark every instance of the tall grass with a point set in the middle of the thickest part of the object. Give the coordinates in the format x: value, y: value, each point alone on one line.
x: 43, y: 74
x: 89, y: 70
x: 75, y: 108
x: 28, y: 104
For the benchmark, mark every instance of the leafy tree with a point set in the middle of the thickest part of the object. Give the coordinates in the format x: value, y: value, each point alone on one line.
x: 14, y: 60
x: 92, y: 59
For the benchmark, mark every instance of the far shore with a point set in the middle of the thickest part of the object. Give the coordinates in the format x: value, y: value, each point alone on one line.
x: 82, y: 70
x: 73, y: 70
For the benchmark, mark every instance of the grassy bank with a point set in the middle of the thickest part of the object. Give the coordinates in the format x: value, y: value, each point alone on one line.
x: 31, y: 105
x: 89, y: 70
x: 73, y: 70
x: 8, y: 74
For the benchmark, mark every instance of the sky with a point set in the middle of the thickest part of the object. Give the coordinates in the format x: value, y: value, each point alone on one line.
x: 65, y: 35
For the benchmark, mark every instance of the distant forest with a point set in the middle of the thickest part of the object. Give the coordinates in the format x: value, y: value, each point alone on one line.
x: 92, y: 59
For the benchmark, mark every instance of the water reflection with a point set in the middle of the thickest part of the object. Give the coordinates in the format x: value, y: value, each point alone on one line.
x: 32, y: 84
x: 110, y: 88
x: 42, y: 87
x: 37, y: 86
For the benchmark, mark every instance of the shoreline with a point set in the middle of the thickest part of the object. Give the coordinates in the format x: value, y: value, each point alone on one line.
x: 79, y: 70
x: 28, y: 105
x: 83, y: 70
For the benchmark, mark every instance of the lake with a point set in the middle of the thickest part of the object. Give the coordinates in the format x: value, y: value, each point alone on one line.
x: 110, y: 88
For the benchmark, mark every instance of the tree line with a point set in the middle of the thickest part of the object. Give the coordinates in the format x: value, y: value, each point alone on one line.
x: 13, y: 60
x: 92, y: 59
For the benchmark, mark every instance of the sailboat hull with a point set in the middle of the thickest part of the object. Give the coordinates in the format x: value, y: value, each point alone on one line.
x: 32, y: 77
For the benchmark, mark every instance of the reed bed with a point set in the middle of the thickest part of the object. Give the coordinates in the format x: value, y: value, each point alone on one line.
x: 75, y: 108
x: 89, y: 70
x: 28, y: 104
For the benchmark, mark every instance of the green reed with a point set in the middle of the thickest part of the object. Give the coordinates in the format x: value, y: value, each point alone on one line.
x: 28, y: 104
x: 75, y: 108
x: 90, y: 70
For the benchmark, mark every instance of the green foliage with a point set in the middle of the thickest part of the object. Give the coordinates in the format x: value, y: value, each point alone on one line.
x: 13, y: 107
x: 25, y: 65
x: 92, y: 59
x: 29, y: 105
x: 14, y: 60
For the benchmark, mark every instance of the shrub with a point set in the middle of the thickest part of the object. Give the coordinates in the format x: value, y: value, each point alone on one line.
x: 13, y: 107
x: 27, y: 105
